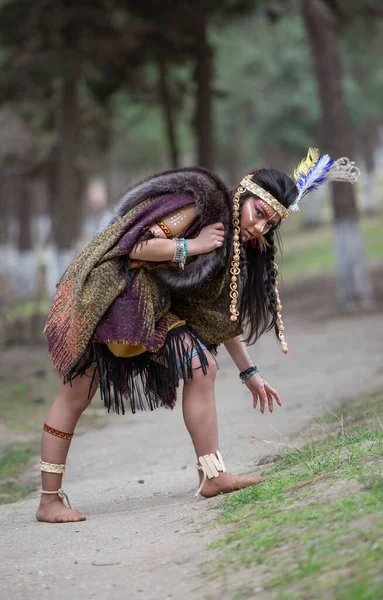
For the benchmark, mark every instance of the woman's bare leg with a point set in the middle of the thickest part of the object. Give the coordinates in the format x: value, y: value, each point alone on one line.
x: 200, y: 416
x: 63, y: 415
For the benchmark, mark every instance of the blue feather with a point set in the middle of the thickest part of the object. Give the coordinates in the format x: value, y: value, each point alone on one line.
x: 313, y: 179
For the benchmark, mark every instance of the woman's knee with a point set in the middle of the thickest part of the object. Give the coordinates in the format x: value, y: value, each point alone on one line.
x: 208, y: 371
x: 79, y: 392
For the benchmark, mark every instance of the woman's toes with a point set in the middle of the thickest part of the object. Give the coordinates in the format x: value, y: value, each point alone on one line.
x: 57, y: 512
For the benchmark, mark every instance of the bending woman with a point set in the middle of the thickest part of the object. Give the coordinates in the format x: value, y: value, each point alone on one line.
x: 186, y: 265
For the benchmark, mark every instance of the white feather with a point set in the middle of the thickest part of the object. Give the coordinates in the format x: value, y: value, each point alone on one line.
x: 317, y: 172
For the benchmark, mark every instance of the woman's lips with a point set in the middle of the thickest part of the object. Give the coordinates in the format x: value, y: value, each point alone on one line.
x: 248, y: 236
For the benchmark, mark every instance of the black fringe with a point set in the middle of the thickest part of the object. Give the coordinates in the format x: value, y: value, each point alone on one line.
x: 148, y: 380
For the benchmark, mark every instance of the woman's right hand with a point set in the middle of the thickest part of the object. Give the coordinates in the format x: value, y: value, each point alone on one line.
x: 210, y: 238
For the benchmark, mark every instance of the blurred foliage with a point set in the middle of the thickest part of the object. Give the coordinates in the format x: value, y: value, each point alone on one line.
x: 268, y: 92
x: 264, y: 88
x: 318, y: 256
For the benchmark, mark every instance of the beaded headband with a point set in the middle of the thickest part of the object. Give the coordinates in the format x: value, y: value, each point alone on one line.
x: 255, y: 189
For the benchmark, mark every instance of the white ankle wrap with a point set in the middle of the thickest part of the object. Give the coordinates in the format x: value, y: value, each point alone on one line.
x: 61, y: 494
x: 211, y: 465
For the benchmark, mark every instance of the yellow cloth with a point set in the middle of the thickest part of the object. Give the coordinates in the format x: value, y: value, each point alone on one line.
x: 129, y: 350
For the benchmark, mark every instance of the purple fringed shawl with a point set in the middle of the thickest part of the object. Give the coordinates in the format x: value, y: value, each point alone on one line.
x: 93, y: 300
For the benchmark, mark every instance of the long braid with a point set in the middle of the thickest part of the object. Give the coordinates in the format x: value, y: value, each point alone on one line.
x: 270, y: 278
x: 271, y: 286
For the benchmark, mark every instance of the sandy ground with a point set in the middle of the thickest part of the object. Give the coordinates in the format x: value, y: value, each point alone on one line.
x: 146, y: 535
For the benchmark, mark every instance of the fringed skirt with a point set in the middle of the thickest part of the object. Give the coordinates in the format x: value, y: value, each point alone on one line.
x: 147, y: 380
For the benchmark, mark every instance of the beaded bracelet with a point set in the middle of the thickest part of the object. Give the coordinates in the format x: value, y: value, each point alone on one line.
x: 244, y: 375
x: 180, y: 252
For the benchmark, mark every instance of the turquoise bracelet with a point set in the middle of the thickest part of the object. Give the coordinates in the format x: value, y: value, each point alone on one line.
x: 180, y: 251
x: 244, y: 375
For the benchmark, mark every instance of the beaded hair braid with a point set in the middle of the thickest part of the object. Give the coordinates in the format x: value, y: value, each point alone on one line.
x: 274, y: 304
x: 235, y: 263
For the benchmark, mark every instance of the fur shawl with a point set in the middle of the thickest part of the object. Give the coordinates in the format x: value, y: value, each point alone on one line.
x: 213, y: 204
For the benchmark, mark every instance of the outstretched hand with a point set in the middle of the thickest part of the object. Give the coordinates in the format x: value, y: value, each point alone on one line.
x: 263, y: 392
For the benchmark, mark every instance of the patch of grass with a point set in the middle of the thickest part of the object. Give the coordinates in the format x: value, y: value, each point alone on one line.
x: 24, y: 404
x: 314, y: 528
x: 356, y: 411
x: 312, y: 250
x: 26, y: 309
x: 12, y: 463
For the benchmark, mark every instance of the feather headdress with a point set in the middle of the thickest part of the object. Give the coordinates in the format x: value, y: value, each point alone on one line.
x: 315, y: 169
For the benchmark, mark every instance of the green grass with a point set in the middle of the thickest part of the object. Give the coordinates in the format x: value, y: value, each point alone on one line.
x: 314, y: 528
x: 12, y: 463
x: 23, y: 405
x: 26, y: 309
x: 311, y: 251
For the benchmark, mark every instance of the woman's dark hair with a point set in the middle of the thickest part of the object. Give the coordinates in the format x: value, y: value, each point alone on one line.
x: 257, y: 302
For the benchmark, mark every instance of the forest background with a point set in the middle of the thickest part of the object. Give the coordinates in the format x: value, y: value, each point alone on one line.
x: 96, y: 95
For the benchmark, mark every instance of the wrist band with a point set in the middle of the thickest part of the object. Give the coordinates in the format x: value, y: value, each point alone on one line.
x: 180, y: 252
x: 244, y: 375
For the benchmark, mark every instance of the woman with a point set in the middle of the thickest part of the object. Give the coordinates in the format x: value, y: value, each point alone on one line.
x: 185, y: 266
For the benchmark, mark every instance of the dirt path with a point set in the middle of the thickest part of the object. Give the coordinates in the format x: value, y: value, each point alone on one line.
x: 146, y: 535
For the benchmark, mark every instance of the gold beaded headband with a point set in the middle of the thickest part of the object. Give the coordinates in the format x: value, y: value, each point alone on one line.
x: 255, y: 189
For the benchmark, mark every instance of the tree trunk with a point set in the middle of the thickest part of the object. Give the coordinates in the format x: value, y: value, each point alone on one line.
x: 233, y: 157
x: 4, y: 212
x: 203, y: 76
x: 108, y: 168
x: 168, y: 111
x: 370, y: 141
x: 67, y: 203
x: 22, y: 260
x: 354, y: 287
x: 66, y: 199
x: 24, y: 214
x: 313, y: 209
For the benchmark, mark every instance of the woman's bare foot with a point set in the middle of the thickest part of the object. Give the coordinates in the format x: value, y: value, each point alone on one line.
x: 226, y: 483
x: 55, y: 511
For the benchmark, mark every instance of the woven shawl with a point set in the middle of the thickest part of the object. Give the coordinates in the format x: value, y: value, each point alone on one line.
x: 96, y: 278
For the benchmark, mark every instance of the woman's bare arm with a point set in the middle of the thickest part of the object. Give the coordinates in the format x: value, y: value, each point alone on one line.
x: 237, y: 349
x: 160, y: 249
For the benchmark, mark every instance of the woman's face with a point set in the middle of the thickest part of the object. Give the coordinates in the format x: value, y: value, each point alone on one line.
x: 257, y: 217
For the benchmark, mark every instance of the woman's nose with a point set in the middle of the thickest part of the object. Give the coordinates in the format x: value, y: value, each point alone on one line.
x: 259, y: 226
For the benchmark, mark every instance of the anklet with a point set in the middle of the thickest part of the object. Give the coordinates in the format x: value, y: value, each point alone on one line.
x: 61, y: 494
x: 210, y: 465
x: 57, y: 432
x: 51, y: 468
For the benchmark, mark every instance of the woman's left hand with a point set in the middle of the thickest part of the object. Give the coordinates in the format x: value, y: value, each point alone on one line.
x: 261, y: 390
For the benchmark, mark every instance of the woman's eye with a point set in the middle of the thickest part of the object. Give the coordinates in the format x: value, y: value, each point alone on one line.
x: 259, y: 213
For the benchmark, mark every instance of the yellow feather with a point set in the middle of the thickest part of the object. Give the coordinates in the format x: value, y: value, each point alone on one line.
x: 307, y: 163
